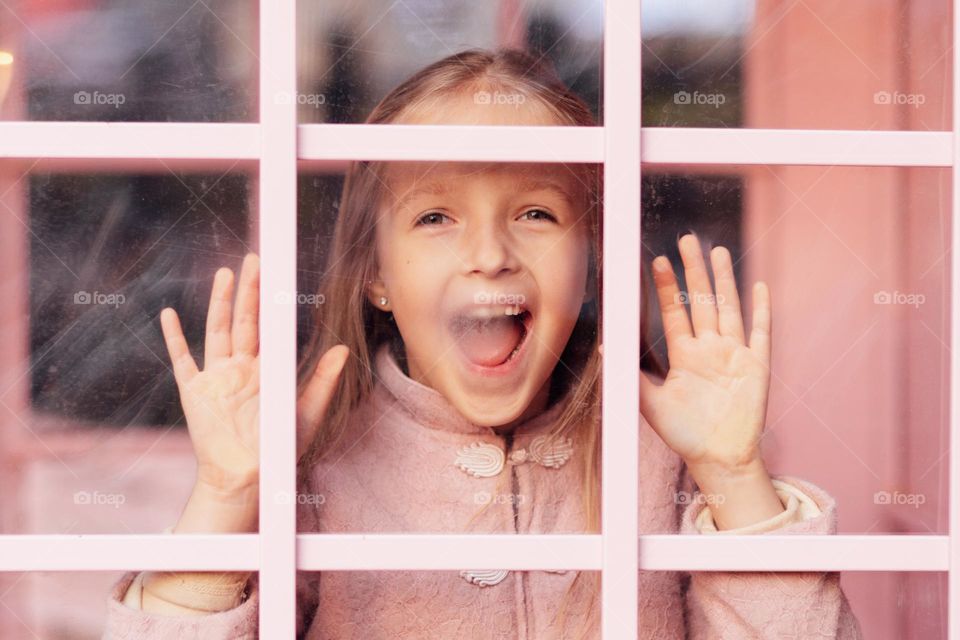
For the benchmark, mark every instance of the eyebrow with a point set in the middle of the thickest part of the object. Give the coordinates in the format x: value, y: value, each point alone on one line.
x: 522, y: 185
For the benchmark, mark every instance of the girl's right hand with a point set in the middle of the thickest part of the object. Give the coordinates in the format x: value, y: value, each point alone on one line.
x: 221, y: 404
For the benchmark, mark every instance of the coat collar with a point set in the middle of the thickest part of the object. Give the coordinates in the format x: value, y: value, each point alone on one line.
x: 429, y: 408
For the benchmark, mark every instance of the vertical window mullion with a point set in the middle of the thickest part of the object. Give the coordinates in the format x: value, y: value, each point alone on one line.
x: 621, y: 317
x: 278, y: 239
x: 953, y: 572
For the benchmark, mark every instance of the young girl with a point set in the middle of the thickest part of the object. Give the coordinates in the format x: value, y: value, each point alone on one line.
x: 459, y: 335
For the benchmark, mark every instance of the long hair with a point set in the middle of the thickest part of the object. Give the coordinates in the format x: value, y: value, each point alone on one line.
x: 347, y: 317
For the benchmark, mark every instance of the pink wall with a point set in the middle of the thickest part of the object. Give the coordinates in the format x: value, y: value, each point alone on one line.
x: 860, y: 395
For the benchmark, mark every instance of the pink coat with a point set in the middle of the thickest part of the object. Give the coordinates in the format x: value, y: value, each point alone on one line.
x: 406, y: 467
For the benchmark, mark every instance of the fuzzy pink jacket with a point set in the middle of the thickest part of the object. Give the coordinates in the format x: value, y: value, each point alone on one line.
x: 408, y: 466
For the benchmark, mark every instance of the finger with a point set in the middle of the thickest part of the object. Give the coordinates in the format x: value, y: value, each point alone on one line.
x: 676, y: 324
x: 762, y: 322
x: 217, y: 340
x: 313, y: 402
x: 246, y: 313
x: 703, y: 308
x: 184, y: 366
x: 729, y: 314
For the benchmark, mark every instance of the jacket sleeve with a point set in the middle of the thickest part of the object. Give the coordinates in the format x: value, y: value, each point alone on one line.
x: 127, y: 621
x: 748, y: 604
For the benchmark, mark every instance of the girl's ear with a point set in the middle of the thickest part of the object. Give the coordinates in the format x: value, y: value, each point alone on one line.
x: 377, y: 294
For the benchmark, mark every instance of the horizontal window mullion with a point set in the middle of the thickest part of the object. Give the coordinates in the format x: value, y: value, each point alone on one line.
x: 193, y: 552
x: 129, y: 140
x: 73, y: 142
x: 659, y: 552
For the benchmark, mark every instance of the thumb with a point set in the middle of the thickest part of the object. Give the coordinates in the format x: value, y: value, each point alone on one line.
x: 313, y: 402
x: 648, y: 394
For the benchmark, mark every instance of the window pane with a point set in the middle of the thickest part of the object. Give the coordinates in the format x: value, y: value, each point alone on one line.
x: 92, y: 415
x: 817, y: 64
x: 484, y: 437
x: 451, y: 604
x: 857, y: 263
x: 351, y: 54
x: 133, y: 60
x: 886, y: 605
x: 47, y: 605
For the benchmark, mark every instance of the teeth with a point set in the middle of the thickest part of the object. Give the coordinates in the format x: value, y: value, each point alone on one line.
x: 486, y: 312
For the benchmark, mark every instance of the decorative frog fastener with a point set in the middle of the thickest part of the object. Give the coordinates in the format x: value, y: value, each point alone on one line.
x: 490, y: 577
x: 485, y: 459
x: 484, y: 577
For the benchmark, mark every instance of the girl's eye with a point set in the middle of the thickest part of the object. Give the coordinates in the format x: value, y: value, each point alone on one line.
x: 430, y: 219
x: 549, y: 216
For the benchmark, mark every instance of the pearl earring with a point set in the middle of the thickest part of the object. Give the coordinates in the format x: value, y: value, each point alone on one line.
x: 383, y: 301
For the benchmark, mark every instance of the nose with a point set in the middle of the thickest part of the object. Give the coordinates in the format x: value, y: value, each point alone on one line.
x: 489, y: 250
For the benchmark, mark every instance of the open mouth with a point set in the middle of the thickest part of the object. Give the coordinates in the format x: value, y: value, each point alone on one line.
x: 491, y: 336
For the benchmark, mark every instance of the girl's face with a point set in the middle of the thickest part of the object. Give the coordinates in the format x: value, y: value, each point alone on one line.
x: 484, y: 267
x: 462, y: 245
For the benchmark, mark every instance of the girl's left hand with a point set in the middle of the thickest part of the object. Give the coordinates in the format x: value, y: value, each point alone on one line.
x: 712, y: 405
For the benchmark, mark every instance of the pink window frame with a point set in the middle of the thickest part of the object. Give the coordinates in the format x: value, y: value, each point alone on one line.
x: 280, y: 145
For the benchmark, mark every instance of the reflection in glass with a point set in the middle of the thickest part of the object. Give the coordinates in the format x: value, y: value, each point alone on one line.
x: 856, y: 259
x: 462, y: 604
x: 351, y: 54
x: 133, y: 60
x: 92, y: 415
x: 68, y: 605
x: 761, y: 64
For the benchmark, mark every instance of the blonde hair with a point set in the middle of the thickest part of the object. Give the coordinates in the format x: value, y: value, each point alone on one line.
x: 347, y: 317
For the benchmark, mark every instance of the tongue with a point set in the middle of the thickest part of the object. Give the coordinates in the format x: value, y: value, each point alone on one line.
x: 487, y: 342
